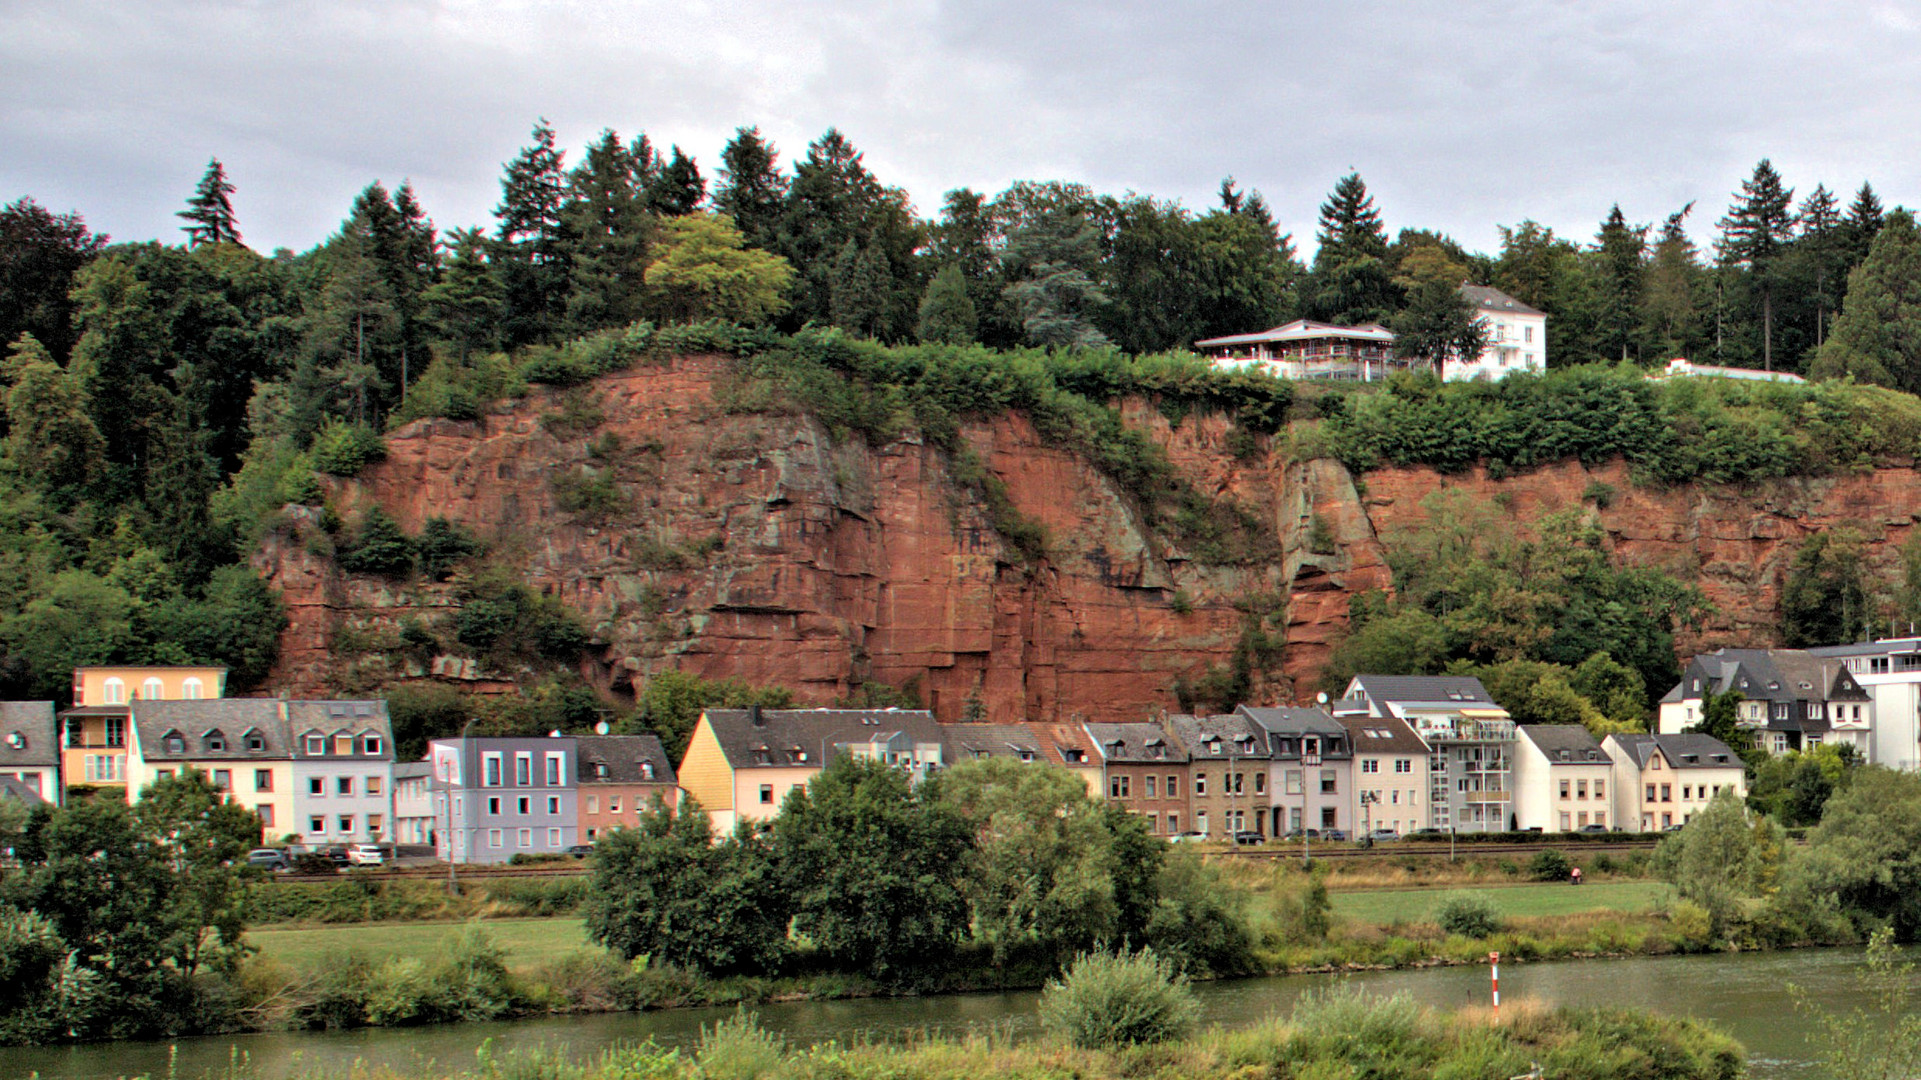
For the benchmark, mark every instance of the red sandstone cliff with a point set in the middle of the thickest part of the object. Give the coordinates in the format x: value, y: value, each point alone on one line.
x: 839, y: 562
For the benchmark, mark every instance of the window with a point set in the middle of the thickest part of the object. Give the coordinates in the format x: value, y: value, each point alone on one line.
x: 164, y: 774
x: 373, y: 824
x: 1564, y: 787
x: 1600, y: 789
x: 646, y: 770
x: 493, y: 838
x: 1650, y: 797
x: 1654, y: 763
x: 372, y: 786
x: 1238, y: 779
x: 493, y: 804
x: 1600, y: 817
x: 1327, y: 781
x: 316, y: 785
x: 190, y: 690
x: 152, y: 690
x: 554, y: 764
x: 1580, y: 789
x: 526, y: 805
x: 216, y: 743
x: 317, y: 824
x: 1117, y: 787
x: 1581, y: 819
x: 523, y: 770
x: 1394, y: 797
x: 1370, y: 766
x: 553, y: 838
x: 346, y: 824
x: 1403, y: 765
x: 1527, y: 334
x: 343, y: 785
x: 526, y: 838
x: 1667, y: 792
x: 371, y: 745
x: 1147, y: 787
x: 316, y: 745
x: 1173, y: 824
x: 255, y: 741
x: 553, y: 805
x: 1260, y: 783
x: 115, y: 692
x: 1200, y: 822
x: 1329, y: 819
x: 1200, y: 788
x: 263, y: 779
x: 613, y: 804
x: 175, y: 744
x: 593, y: 804
x: 1666, y: 820
x: 116, y: 732
x: 490, y: 769
x: 1173, y: 788
x: 766, y: 794
x: 223, y: 779
x: 265, y: 813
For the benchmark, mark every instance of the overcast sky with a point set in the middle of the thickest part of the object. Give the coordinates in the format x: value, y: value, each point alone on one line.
x: 1460, y: 116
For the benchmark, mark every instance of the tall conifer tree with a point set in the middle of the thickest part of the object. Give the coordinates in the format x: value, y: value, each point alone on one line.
x: 533, y: 250
x: 209, y: 214
x: 751, y: 187
x: 1757, y: 226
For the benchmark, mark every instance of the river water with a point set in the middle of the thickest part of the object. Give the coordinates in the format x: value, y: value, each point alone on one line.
x: 1745, y: 994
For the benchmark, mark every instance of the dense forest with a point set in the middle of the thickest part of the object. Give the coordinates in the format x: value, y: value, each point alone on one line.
x: 164, y: 400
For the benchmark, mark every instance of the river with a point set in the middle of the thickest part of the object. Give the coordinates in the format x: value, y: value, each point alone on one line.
x: 1746, y: 994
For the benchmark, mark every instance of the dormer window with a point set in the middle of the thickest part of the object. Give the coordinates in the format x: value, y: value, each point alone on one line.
x: 255, y: 740
x: 174, y: 742
x: 601, y: 772
x: 216, y: 742
x: 646, y: 770
x: 1024, y: 754
x: 370, y: 744
x: 316, y: 745
x: 16, y: 740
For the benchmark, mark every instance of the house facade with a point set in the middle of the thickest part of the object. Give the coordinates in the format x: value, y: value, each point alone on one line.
x: 1663, y: 780
x: 1516, y: 337
x: 741, y: 763
x: 620, y: 777
x: 1792, y: 699
x: 95, y: 731
x: 1390, y: 774
x: 342, y: 772
x: 497, y: 797
x: 1227, y: 773
x: 1563, y: 779
x: 414, y: 804
x: 1889, y: 671
x: 241, y: 744
x: 1146, y: 773
x: 1309, y: 350
x: 1310, y: 770
x: 30, y: 748
x: 1470, y: 741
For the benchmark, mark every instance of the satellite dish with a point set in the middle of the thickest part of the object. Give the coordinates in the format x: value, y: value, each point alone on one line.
x: 1321, y: 697
x: 602, y: 728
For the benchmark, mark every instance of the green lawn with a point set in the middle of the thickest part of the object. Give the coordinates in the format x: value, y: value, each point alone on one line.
x: 1385, y: 906
x: 528, y: 943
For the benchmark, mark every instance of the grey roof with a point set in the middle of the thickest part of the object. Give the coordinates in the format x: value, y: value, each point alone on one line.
x: 1564, y: 744
x: 1491, y: 299
x: 1382, y: 735
x: 1706, y: 751
x: 332, y: 718
x: 1285, y: 724
x: 28, y: 735
x: 1885, y: 647
x: 1777, y: 676
x: 965, y: 741
x: 413, y: 770
x: 782, y: 738
x: 1137, y: 744
x: 232, y: 718
x: 623, y: 756
x: 1224, y: 736
x: 14, y: 789
x: 1425, y: 689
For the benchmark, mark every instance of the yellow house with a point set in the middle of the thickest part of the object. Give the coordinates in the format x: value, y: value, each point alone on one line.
x: 242, y: 744
x: 741, y: 763
x: 95, y: 730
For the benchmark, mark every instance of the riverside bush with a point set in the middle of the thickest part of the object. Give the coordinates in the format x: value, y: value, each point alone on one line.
x: 1468, y: 916
x: 1549, y: 865
x: 739, y: 1049
x: 1119, y: 999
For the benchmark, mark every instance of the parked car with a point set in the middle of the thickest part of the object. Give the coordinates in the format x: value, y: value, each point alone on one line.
x: 580, y: 849
x: 1333, y: 834
x: 366, y: 855
x: 1312, y: 834
x: 268, y: 858
x: 1593, y: 828
x: 1383, y: 836
x: 1428, y: 834
x: 1248, y: 837
x: 1187, y: 838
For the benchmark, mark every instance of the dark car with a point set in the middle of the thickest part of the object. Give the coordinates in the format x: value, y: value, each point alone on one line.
x: 1593, y: 828
x: 269, y: 859
x: 1333, y: 834
x: 580, y: 849
x: 1248, y: 836
x: 1428, y: 834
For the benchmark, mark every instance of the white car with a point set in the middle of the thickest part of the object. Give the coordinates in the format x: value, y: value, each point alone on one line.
x: 365, y: 855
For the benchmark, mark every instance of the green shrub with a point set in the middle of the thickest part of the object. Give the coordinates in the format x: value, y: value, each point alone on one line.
x: 379, y: 546
x: 442, y: 545
x: 589, y: 494
x: 342, y: 449
x: 1549, y: 865
x: 1119, y: 999
x: 1468, y: 916
x: 739, y: 1049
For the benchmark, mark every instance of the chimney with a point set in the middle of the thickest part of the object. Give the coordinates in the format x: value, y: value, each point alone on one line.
x: 753, y: 715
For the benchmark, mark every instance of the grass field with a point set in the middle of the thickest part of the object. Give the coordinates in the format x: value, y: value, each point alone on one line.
x: 528, y: 943
x: 1389, y: 906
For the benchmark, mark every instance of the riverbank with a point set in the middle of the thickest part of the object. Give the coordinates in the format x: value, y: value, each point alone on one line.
x: 1336, y: 1032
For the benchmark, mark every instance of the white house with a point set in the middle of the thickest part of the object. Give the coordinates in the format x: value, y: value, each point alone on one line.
x: 1516, y: 337
x: 343, y: 766
x: 1562, y: 779
x: 1390, y: 771
x: 1890, y: 671
x: 1660, y: 781
x: 414, y: 803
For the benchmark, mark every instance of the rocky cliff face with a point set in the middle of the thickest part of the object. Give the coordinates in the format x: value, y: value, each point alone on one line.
x: 760, y: 546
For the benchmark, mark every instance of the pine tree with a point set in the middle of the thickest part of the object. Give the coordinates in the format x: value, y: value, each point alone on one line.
x: 676, y: 188
x: 1673, y: 296
x: 465, y: 305
x: 947, y: 314
x: 1620, y: 251
x: 859, y: 295
x: 1818, y: 251
x: 1350, y: 282
x: 1756, y: 228
x: 834, y: 199
x: 1863, y: 223
x: 606, y: 215
x: 1877, y: 338
x: 209, y: 214
x: 965, y: 237
x: 533, y: 249
x: 751, y: 187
